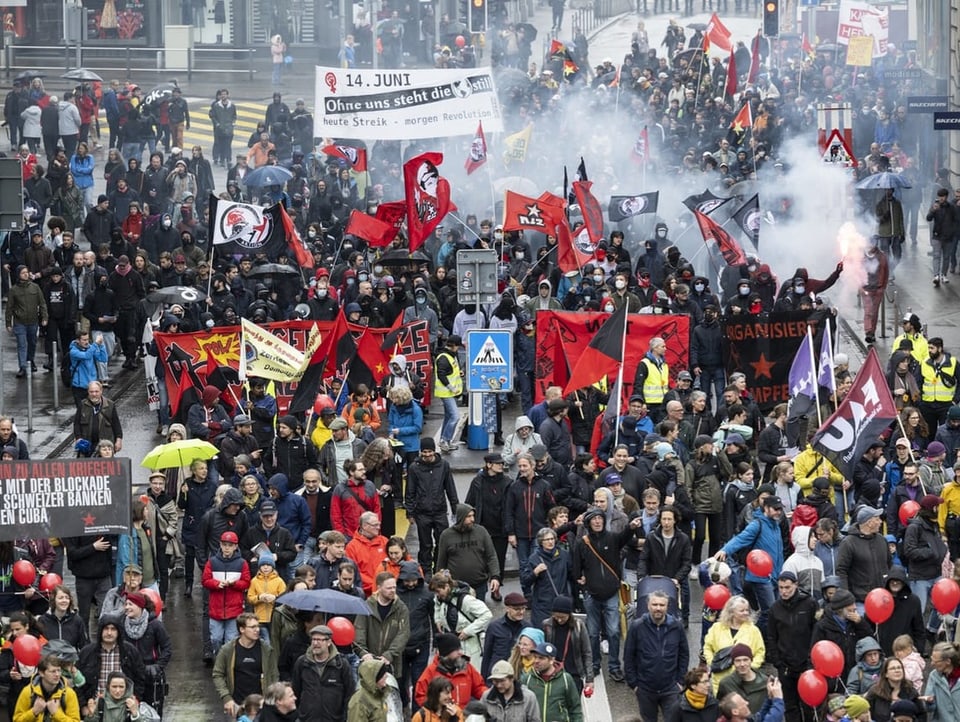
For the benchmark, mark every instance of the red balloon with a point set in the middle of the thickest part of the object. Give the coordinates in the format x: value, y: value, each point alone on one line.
x: 760, y: 563
x: 878, y: 605
x: 154, y: 596
x: 49, y: 581
x: 812, y: 687
x: 24, y: 572
x: 827, y: 658
x: 322, y: 402
x: 27, y: 650
x: 715, y: 596
x: 945, y: 596
x: 460, y: 41
x: 343, y: 631
x: 908, y: 510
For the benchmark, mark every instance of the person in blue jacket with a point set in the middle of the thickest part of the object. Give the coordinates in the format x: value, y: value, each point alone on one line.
x: 405, y: 419
x: 83, y: 364
x: 293, y: 514
x: 762, y: 533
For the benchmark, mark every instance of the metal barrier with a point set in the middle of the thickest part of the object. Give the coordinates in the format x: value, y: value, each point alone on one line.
x: 591, y: 16
x: 137, y: 58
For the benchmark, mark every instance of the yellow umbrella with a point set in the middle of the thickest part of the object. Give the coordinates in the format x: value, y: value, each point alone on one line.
x: 178, y: 454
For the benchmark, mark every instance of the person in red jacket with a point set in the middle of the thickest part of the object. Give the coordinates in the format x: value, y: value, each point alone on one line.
x: 450, y: 662
x: 368, y: 549
x: 351, y: 498
x: 226, y: 577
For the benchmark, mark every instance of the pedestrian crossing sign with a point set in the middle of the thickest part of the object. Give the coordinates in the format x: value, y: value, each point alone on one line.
x: 489, y: 356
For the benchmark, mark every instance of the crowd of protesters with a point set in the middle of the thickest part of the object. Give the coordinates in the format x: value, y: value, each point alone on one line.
x: 291, y: 504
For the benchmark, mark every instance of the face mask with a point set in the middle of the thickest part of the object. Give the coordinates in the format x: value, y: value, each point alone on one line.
x: 312, y: 234
x: 661, y: 233
x: 518, y: 255
x: 378, y: 269
x: 321, y: 293
x: 167, y: 223
x: 421, y: 299
x: 645, y: 282
x: 350, y: 281
x: 799, y: 289
x: 608, y: 308
x: 744, y: 290
x: 363, y: 277
x: 698, y: 287
x: 620, y: 285
x: 598, y: 279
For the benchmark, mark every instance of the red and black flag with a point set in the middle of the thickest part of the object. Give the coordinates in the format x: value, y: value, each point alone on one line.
x: 603, y: 355
x: 705, y: 203
x: 478, y: 150
x: 729, y: 248
x: 325, y: 359
x: 865, y: 413
x: 534, y: 214
x: 353, y: 152
x: 590, y: 208
x: 742, y: 122
x: 294, y: 242
x: 427, y: 197
x: 242, y: 228
x: 562, y: 61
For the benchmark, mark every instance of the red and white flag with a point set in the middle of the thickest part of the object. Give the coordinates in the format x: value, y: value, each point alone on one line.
x: 478, y: 151
x: 641, y: 148
x: 719, y: 34
x: 427, y: 196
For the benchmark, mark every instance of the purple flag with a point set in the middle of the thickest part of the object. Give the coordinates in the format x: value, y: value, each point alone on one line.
x: 826, y: 377
x: 801, y: 381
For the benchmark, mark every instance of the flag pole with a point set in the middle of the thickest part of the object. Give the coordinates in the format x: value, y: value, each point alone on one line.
x: 623, y: 351
x: 833, y: 388
x: 816, y: 386
x: 463, y: 223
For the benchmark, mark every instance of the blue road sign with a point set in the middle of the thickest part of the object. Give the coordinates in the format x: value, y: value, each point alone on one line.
x: 489, y: 361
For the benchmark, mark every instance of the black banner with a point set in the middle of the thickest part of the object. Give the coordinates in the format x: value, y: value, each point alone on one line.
x: 763, y: 347
x: 64, y: 498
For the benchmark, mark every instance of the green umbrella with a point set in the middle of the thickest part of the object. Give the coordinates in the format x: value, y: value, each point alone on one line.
x: 177, y: 454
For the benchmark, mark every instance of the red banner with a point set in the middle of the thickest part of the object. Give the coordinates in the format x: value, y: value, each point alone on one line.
x: 187, y: 357
x: 562, y: 337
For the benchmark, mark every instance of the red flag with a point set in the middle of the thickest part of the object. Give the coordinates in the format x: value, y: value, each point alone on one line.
x: 324, y: 356
x: 535, y: 214
x: 356, y: 156
x: 427, y: 196
x: 641, y: 148
x: 718, y: 33
x: 370, y: 352
x: 706, y: 44
x: 729, y: 248
x: 603, y: 355
x: 805, y: 45
x: 573, y: 251
x: 393, y: 213
x: 743, y: 120
x: 376, y: 232
x: 185, y: 389
x: 866, y: 411
x: 591, y: 210
x: 754, y: 59
x: 478, y: 150
x: 731, y: 87
x: 294, y: 242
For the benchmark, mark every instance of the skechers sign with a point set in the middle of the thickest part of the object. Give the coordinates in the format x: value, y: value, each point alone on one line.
x: 946, y: 121
x: 926, y: 104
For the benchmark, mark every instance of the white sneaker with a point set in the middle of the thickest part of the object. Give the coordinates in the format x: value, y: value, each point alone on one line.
x: 165, y: 430
x: 936, y: 280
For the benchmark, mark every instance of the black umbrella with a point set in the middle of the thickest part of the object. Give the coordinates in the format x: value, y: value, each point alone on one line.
x: 691, y: 55
x: 328, y: 601
x: 28, y: 75
x: 265, y: 269
x: 402, y: 257
x: 511, y: 84
x: 82, y: 74
x: 176, y: 294
x: 827, y: 48
x: 157, y: 95
x: 529, y: 32
x: 699, y: 27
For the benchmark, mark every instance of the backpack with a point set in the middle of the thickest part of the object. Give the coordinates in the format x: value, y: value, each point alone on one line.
x: 455, y: 605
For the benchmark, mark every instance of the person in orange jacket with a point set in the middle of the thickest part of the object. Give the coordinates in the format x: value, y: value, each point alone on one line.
x: 452, y: 663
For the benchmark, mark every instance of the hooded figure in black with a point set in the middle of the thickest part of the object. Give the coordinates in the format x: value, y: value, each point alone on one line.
x: 906, y: 618
x: 813, y: 286
x: 651, y: 260
x: 110, y: 636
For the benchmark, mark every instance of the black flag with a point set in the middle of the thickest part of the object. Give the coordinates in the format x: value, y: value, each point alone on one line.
x: 706, y: 202
x: 748, y: 218
x: 623, y: 207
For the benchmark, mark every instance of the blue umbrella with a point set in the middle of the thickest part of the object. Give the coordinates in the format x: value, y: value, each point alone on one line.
x: 328, y: 601
x: 267, y: 175
x: 883, y: 180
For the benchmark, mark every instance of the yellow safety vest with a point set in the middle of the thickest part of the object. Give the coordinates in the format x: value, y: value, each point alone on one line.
x: 933, y: 387
x: 440, y: 390
x: 657, y: 382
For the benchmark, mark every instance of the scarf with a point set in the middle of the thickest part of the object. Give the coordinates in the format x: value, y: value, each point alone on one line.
x: 136, y: 628
x: 696, y: 700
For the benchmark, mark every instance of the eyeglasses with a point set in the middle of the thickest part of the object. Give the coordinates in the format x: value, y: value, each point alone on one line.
x: 251, y: 626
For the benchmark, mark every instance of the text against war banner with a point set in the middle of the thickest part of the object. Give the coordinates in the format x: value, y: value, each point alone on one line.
x: 562, y: 337
x: 404, y: 105
x: 64, y: 498
x: 186, y: 356
x: 763, y: 348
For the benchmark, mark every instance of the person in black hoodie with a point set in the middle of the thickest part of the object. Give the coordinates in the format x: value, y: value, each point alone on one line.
x: 62, y: 314
x: 923, y: 552
x: 790, y: 624
x: 413, y: 592
x: 91, y: 563
x: 907, y: 617
x: 110, y: 637
x: 596, y: 563
x: 487, y: 495
x: 843, y: 625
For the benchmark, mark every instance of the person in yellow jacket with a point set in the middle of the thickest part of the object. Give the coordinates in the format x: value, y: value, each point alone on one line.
x: 948, y: 515
x: 810, y: 464
x: 447, y: 386
x: 913, y: 331
x: 47, y: 697
x: 652, y: 380
x: 263, y: 591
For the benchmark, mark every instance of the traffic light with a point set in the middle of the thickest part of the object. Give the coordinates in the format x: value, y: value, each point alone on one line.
x: 771, y: 18
x: 477, y: 16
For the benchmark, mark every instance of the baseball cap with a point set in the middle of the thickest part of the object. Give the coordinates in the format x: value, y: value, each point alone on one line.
x: 230, y: 537
x: 501, y: 670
